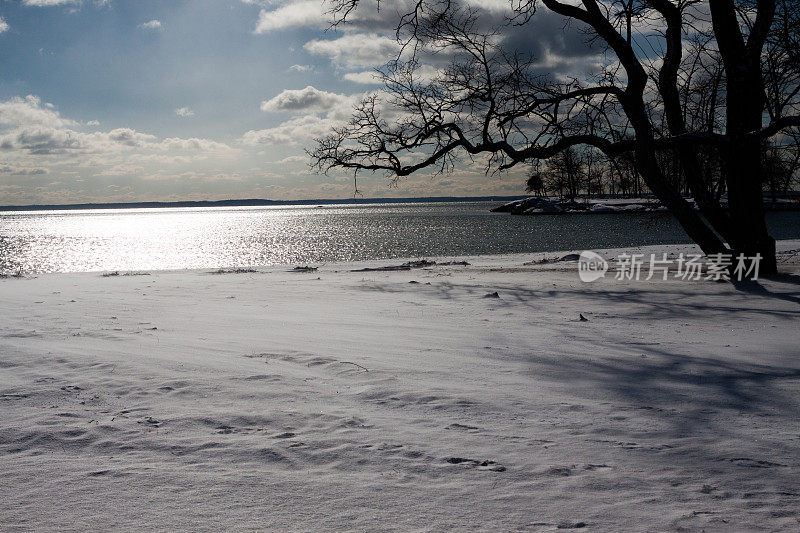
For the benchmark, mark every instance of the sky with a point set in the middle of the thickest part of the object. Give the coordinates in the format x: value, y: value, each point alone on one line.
x: 161, y: 100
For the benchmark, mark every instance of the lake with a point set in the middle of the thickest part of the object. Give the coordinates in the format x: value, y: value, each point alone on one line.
x: 228, y: 237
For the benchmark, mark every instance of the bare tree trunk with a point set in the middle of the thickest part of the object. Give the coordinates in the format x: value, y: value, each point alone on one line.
x: 745, y: 105
x: 647, y: 165
x: 689, y: 219
x: 687, y: 154
x: 749, y: 233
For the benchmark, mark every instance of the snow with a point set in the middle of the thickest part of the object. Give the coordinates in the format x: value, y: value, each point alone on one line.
x: 548, y: 205
x: 334, y: 399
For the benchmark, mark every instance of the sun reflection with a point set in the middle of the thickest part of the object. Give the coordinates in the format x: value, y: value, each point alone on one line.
x: 196, y: 238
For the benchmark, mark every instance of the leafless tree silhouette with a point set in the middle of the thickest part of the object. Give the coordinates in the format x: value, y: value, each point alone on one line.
x: 697, y: 86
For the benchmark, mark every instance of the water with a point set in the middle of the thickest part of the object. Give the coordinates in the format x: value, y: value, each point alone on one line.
x: 159, y: 239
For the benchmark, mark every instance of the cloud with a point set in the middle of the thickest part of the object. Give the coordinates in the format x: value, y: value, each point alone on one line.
x: 316, y: 14
x: 40, y: 141
x: 301, y: 68
x: 16, y: 171
x: 30, y: 112
x: 318, y: 113
x: 308, y: 99
x: 192, y: 144
x: 565, y: 68
x: 130, y: 137
x: 3, y: 25
x: 303, y: 13
x: 184, y: 112
x: 368, y: 39
x: 293, y: 131
x: 46, y: 3
x: 368, y: 77
x: 151, y: 25
x: 292, y: 159
x: 49, y: 3
x: 355, y: 50
x: 93, y: 123
x: 28, y: 126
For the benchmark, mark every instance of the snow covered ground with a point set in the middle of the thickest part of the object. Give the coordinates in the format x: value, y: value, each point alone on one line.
x: 553, y: 205
x: 400, y: 400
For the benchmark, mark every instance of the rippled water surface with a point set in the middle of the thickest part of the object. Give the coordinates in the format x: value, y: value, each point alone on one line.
x: 156, y: 239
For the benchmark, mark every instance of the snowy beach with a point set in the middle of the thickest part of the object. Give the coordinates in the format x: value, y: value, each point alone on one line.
x: 397, y: 400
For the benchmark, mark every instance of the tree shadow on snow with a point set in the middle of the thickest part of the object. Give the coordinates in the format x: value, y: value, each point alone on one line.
x: 757, y: 288
x: 692, y: 388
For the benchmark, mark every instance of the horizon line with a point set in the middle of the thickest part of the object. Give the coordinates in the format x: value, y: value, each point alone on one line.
x: 248, y: 202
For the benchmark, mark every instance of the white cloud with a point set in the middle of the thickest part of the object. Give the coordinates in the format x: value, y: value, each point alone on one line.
x: 151, y: 25
x: 46, y: 3
x: 192, y: 144
x: 293, y: 131
x: 184, y: 112
x: 367, y: 77
x: 130, y: 137
x: 49, y: 3
x: 28, y: 126
x: 356, y: 50
x: 303, y: 13
x: 318, y: 113
x: 370, y: 77
x: 292, y: 159
x: 498, y: 6
x: 3, y: 25
x: 320, y: 116
x: 301, y: 68
x: 93, y: 123
x: 316, y: 14
x: 307, y: 99
x: 30, y: 112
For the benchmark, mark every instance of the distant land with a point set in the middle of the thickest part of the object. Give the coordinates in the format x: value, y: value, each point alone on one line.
x: 258, y: 202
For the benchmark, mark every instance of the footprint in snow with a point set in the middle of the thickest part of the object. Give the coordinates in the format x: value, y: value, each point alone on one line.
x: 480, y: 465
x: 461, y: 426
x: 563, y: 471
x: 571, y: 525
x: 13, y: 396
x: 150, y: 421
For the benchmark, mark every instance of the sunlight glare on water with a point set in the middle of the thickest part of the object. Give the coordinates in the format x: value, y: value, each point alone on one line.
x: 193, y: 238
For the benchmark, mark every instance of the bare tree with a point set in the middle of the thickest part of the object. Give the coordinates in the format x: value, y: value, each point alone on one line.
x: 670, y: 109
x: 781, y: 163
x: 565, y: 174
x: 535, y: 182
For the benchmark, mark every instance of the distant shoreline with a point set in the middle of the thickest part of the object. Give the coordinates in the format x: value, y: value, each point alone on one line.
x: 256, y: 203
x: 550, y: 205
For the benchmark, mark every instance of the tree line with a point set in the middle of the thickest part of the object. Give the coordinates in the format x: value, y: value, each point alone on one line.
x: 585, y: 171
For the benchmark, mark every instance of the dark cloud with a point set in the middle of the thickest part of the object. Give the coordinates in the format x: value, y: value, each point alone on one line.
x: 22, y: 171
